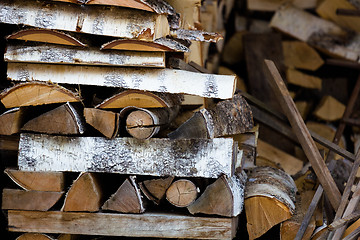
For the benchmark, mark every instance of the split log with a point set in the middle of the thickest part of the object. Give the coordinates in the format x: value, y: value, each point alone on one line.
x: 29, y: 200
x: 141, y: 99
x: 182, y: 193
x: 202, y: 158
x: 304, y: 108
x: 196, y: 35
x: 155, y: 189
x: 226, y: 118
x: 65, y: 120
x: 303, y: 80
x: 88, y: 56
x: 127, y: 199
x: 158, y: 80
x: 288, y: 163
x: 247, y: 143
x: 138, y: 225
x: 270, y: 5
x: 189, y: 11
x: 320, y: 33
x: 47, y: 36
x: 99, y: 20
x: 106, y: 122
x: 327, y: 10
x: 37, y: 181
x: 36, y: 93
x: 144, y: 123
x: 289, y: 228
x: 11, y: 121
x: 84, y: 195
x: 269, y: 199
x: 34, y: 236
x: 68, y: 237
x: 158, y: 45
x: 225, y: 197
x: 300, y: 55
x: 329, y: 109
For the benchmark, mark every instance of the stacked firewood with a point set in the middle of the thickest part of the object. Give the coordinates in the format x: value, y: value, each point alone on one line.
x: 115, y: 137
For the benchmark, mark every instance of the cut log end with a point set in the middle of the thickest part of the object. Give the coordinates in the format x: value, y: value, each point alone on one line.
x: 182, y: 193
x: 141, y: 124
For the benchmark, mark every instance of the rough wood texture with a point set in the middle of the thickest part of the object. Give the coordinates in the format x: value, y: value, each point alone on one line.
x: 329, y: 109
x: 144, y: 123
x: 36, y: 93
x: 327, y: 10
x: 228, y: 117
x: 158, y: 80
x: 64, y: 120
x: 225, y: 197
x: 106, y: 224
x: 303, y: 80
x: 155, y: 189
x: 84, y: 56
x: 202, y: 158
x: 305, y: 139
x: 106, y: 122
x: 320, y: 33
x: 287, y: 162
x: 84, y: 195
x: 269, y: 199
x: 37, y: 181
x: 300, y: 55
x: 196, y: 35
x: 141, y: 99
x: 11, y: 121
x: 34, y: 236
x: 46, y: 35
x: 257, y: 48
x: 29, y: 200
x: 99, y: 20
x: 158, y: 45
x: 127, y: 199
x: 182, y: 193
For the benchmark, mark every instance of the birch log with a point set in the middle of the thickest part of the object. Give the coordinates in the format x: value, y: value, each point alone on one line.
x: 156, y: 157
x: 182, y: 193
x: 225, y: 197
x: 34, y: 236
x: 37, y: 181
x: 157, y: 80
x: 65, y: 120
x: 137, y: 225
x: 158, y: 45
x: 140, y: 99
x: 29, y: 200
x: 46, y: 35
x: 36, y: 93
x: 155, y: 189
x: 269, y: 199
x: 89, y: 56
x: 99, y: 20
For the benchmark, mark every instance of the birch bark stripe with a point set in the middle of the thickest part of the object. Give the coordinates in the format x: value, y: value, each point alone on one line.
x: 156, y: 157
x: 157, y: 80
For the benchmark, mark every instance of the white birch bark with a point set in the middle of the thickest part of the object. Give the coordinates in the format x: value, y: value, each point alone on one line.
x: 157, y: 80
x: 156, y: 157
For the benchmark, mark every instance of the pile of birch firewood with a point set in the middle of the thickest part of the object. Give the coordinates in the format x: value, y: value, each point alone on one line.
x: 117, y: 134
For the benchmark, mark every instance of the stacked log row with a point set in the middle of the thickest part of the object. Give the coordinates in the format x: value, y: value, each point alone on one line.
x: 98, y: 115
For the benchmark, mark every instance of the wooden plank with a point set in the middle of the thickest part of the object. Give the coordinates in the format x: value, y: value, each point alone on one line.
x: 301, y: 131
x: 202, y: 158
x: 84, y: 56
x: 99, y: 20
x: 132, y: 225
x: 157, y: 80
x: 29, y: 200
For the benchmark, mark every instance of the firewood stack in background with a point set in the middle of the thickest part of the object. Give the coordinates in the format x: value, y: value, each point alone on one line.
x: 170, y: 119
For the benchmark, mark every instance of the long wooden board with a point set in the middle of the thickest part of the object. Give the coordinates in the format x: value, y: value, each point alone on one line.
x: 157, y: 80
x: 156, y: 156
x: 132, y: 225
x: 99, y: 20
x: 57, y: 54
